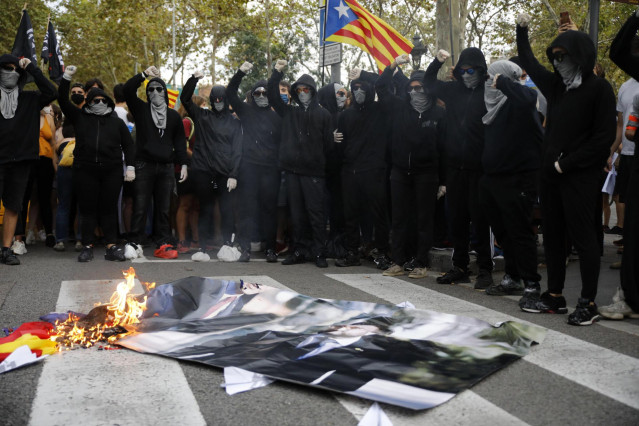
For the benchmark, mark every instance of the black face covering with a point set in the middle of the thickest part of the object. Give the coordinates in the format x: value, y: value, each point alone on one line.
x: 77, y: 98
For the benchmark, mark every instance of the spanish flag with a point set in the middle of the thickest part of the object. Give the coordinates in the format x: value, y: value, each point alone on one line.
x: 348, y: 22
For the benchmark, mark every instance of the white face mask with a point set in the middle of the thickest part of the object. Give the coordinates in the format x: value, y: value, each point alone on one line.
x: 219, y: 106
x: 47, y: 110
x: 9, y: 79
x: 359, y: 95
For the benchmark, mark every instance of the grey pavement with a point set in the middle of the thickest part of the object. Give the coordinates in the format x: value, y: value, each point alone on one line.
x: 534, y: 390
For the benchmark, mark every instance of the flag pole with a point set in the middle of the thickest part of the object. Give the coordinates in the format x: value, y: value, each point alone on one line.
x: 324, y: 42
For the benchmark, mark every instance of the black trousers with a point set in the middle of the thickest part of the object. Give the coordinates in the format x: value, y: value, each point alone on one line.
x: 567, y: 204
x: 42, y: 173
x: 336, y: 214
x: 364, y: 196
x: 507, y: 202
x: 462, y: 192
x: 97, y: 188
x: 630, y: 258
x: 210, y: 186
x: 153, y: 181
x: 307, y: 201
x: 412, y: 194
x: 257, y: 191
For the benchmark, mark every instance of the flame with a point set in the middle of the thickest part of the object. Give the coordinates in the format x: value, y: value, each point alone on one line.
x: 123, y: 309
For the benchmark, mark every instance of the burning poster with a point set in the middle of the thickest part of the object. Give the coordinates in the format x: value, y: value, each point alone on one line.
x: 412, y: 358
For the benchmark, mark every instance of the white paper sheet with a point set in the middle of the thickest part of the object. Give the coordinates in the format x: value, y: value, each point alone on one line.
x: 238, y: 380
x: 19, y: 357
x: 375, y: 416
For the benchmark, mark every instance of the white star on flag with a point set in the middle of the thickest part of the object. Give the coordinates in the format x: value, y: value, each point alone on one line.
x: 342, y: 9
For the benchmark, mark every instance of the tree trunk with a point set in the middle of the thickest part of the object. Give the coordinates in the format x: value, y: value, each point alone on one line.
x: 269, y: 65
x: 450, y: 36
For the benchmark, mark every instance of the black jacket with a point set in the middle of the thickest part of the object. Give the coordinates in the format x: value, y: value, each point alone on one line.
x: 151, y: 145
x: 400, y: 81
x: 327, y: 99
x: 417, y: 140
x: 261, y: 126
x: 19, y: 135
x: 365, y: 138
x: 99, y: 140
x: 307, y: 133
x: 581, y: 122
x: 464, y: 111
x: 513, y: 139
x: 219, y: 134
x: 621, y: 48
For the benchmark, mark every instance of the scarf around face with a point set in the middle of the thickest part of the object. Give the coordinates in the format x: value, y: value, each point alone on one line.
x: 9, y: 92
x: 569, y: 71
x: 158, y: 106
x: 493, y: 97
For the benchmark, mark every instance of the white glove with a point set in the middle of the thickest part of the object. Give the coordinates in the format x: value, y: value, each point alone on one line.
x: 402, y: 59
x: 198, y: 74
x: 280, y: 65
x: 558, y: 168
x: 246, y: 67
x: 152, y: 72
x: 130, y: 174
x: 523, y: 20
x: 183, y: 174
x: 24, y: 62
x: 442, y: 55
x: 337, y: 136
x: 354, y: 73
x: 231, y: 184
x: 441, y: 191
x: 69, y: 71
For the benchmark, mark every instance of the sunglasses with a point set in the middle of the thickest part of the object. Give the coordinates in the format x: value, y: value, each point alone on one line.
x: 97, y: 101
x: 8, y: 67
x: 342, y: 93
x: 418, y: 89
x: 559, y: 56
x: 469, y: 71
x: 303, y: 89
x: 259, y: 93
x: 159, y: 89
x: 218, y: 99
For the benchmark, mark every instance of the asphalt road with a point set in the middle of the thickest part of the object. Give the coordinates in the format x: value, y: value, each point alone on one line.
x: 579, y: 375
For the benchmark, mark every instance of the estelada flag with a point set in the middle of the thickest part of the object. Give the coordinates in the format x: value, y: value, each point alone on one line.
x: 51, y: 54
x: 24, y: 44
x: 348, y: 22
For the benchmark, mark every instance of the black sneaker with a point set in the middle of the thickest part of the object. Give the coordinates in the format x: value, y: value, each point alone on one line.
x: 294, y: 258
x: 584, y: 314
x: 8, y: 257
x: 455, y: 275
x: 532, y: 291
x: 50, y: 240
x: 548, y: 304
x: 484, y: 280
x: 351, y: 259
x: 271, y: 256
x: 245, y: 256
x: 114, y: 253
x: 383, y: 262
x: 86, y: 255
x: 321, y: 262
x: 507, y: 287
x: 409, y: 266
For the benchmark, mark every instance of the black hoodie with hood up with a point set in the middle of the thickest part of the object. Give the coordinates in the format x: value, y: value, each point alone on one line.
x: 151, y: 146
x: 100, y: 139
x: 580, y: 123
x: 307, y: 133
x: 417, y: 139
x: 261, y: 125
x: 219, y: 134
x: 464, y: 110
x: 19, y: 135
x: 364, y: 127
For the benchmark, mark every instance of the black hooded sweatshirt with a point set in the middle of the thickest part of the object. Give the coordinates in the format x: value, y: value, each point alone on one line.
x: 582, y: 146
x: 364, y: 127
x: 262, y: 127
x: 100, y: 139
x: 219, y: 134
x: 400, y: 81
x: 327, y: 99
x: 19, y: 135
x: 307, y: 133
x: 417, y: 139
x: 151, y: 146
x: 464, y: 110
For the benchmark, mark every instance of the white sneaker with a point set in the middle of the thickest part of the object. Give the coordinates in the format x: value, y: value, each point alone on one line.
x: 19, y: 247
x: 129, y: 252
x: 200, y: 256
x: 394, y: 271
x: 619, y: 309
x: 42, y: 236
x: 30, y: 240
x: 418, y: 273
x: 59, y: 246
x: 78, y: 246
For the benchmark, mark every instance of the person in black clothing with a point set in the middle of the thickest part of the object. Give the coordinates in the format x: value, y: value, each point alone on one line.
x: 101, y: 138
x: 508, y: 188
x: 572, y: 159
x: 259, y: 175
x: 19, y: 147
x: 307, y: 135
x: 215, y: 163
x: 626, y: 302
x: 160, y: 142
x: 361, y: 130
x: 464, y: 99
x: 416, y: 153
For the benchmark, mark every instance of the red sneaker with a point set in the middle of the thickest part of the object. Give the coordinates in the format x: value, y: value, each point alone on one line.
x: 166, y: 251
x: 183, y: 247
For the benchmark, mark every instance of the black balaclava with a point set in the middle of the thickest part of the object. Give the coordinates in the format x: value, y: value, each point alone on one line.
x: 218, y: 92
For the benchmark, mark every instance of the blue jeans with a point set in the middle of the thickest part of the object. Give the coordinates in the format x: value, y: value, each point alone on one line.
x: 153, y: 181
x: 65, y: 194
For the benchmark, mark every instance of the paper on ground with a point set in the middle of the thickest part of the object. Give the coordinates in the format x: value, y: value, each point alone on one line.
x: 21, y: 356
x: 375, y: 416
x: 238, y: 380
